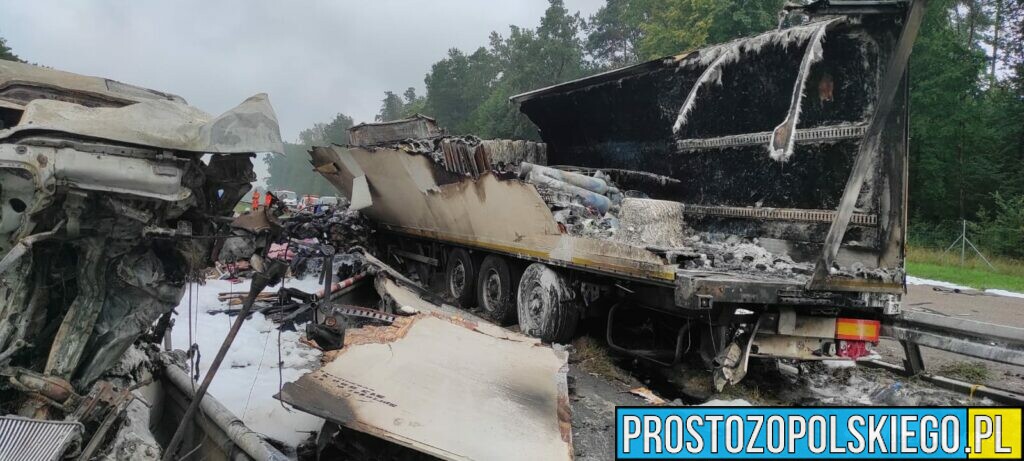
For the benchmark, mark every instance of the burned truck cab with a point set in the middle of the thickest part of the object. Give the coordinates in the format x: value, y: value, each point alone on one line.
x: 110, y: 198
x: 788, y: 154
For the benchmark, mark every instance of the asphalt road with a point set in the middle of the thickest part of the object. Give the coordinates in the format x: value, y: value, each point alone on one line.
x: 594, y: 398
x: 973, y: 305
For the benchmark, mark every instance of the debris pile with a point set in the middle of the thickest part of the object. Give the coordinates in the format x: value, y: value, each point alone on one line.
x: 305, y: 238
x: 418, y: 126
x: 338, y: 226
x: 660, y: 226
x: 591, y: 205
x: 735, y: 253
x: 613, y: 205
x: 584, y: 205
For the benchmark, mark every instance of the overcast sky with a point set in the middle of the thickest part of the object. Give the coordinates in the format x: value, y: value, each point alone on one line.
x: 315, y: 58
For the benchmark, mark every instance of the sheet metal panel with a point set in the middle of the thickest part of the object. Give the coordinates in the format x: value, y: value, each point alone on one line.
x: 414, y: 381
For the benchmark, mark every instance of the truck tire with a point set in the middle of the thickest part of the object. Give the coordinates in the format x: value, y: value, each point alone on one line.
x: 460, y: 277
x: 496, y: 288
x: 546, y: 305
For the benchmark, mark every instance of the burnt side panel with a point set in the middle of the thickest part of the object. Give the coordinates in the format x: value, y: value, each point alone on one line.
x: 627, y: 123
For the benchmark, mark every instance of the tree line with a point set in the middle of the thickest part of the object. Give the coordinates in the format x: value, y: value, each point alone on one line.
x: 6, y: 53
x: 966, y: 96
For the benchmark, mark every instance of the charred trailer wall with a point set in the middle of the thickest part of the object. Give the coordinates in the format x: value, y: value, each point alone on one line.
x: 720, y: 154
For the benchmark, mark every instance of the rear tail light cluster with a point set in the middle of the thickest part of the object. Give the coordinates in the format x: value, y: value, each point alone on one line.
x: 853, y: 349
x: 855, y: 337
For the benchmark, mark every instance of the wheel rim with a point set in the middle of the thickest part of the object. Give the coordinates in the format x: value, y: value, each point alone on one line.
x: 457, y: 281
x: 492, y: 290
x: 535, y: 305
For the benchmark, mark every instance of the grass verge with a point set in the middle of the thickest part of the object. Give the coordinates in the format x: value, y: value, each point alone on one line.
x: 974, y: 372
x: 1008, y: 274
x: 593, y: 357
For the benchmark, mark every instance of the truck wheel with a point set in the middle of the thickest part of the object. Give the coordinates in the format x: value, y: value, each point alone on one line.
x: 546, y: 305
x: 460, y: 277
x: 496, y: 289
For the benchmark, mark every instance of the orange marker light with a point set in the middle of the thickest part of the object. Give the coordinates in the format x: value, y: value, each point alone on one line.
x: 857, y: 329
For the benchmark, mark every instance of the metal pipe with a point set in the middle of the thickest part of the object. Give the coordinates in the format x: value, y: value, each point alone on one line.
x: 746, y: 351
x: 261, y: 279
x: 24, y: 245
x: 971, y: 389
x: 210, y: 430
x: 240, y: 434
x: 652, y: 355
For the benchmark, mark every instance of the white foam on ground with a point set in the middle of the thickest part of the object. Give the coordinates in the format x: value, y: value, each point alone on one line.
x: 911, y: 280
x: 839, y: 363
x: 248, y: 377
x: 952, y: 286
x: 726, y: 403
x: 1012, y: 294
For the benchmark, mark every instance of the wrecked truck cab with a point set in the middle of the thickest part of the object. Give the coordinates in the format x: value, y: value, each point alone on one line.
x: 110, y: 195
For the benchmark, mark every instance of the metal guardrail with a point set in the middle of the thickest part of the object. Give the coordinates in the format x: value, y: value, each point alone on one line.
x: 998, y: 343
x: 986, y: 341
x: 971, y: 389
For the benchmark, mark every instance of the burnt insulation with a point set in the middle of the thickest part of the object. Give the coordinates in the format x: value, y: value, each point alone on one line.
x: 627, y: 123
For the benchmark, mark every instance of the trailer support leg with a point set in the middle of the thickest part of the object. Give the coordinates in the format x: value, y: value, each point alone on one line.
x: 913, y: 364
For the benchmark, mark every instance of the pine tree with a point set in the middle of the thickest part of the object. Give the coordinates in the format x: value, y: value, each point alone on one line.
x: 6, y: 53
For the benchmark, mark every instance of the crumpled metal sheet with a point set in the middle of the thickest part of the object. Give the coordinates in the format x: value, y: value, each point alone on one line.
x: 16, y: 73
x: 412, y: 382
x: 27, y: 439
x: 250, y: 127
x: 10, y: 105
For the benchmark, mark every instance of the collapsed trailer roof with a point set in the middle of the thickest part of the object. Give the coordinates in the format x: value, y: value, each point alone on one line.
x: 691, y: 57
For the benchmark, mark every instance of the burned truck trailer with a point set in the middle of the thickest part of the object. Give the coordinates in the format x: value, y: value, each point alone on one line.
x: 744, y: 199
x: 740, y: 153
